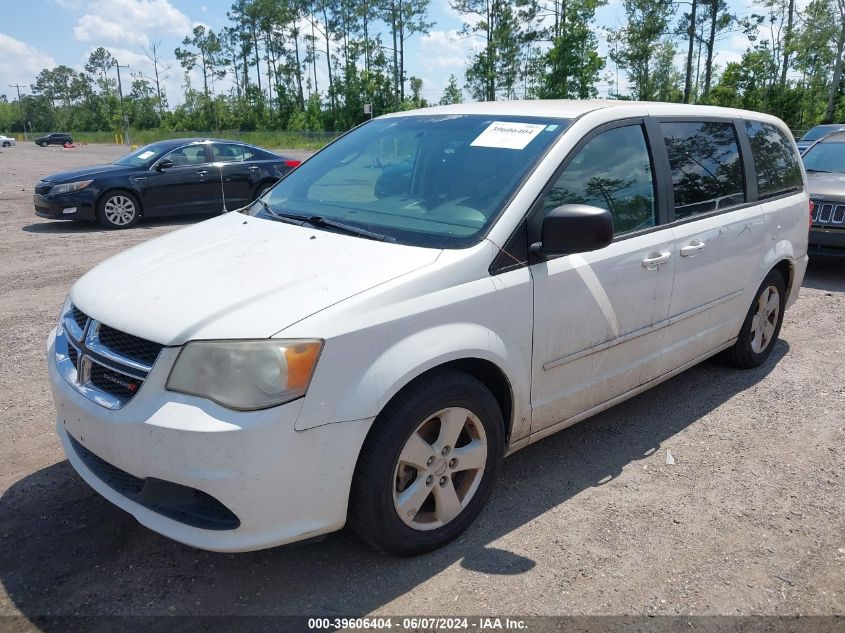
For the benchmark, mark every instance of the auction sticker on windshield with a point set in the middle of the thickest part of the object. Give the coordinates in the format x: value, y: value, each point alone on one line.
x: 508, y: 135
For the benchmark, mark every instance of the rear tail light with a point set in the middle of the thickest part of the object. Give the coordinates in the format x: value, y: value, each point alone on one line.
x: 812, y: 208
x: 297, y: 163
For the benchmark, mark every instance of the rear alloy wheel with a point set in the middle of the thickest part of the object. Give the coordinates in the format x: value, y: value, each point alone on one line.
x: 762, y: 324
x: 118, y: 210
x: 428, y: 464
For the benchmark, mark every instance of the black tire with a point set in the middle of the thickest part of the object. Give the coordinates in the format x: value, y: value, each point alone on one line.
x: 6, y: 144
x: 112, y: 217
x: 41, y: 144
x: 372, y: 513
x: 743, y: 353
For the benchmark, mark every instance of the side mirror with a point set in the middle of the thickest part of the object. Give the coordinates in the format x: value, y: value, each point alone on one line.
x: 574, y: 228
x: 164, y: 164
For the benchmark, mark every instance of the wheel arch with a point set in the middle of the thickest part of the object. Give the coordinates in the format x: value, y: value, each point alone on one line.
x: 780, y: 257
x: 486, y: 372
x: 786, y: 268
x: 264, y: 183
x: 470, y: 348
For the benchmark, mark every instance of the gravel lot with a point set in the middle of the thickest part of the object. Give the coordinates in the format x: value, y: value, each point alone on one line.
x: 750, y: 519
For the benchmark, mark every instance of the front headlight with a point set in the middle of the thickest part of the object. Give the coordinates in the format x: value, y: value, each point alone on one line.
x: 65, y: 309
x: 69, y: 186
x: 246, y: 375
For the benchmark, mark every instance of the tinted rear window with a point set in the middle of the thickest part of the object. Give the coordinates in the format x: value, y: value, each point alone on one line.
x: 820, y: 130
x: 706, y: 168
x: 774, y: 160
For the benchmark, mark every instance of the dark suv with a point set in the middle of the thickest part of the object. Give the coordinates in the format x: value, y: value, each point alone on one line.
x: 825, y: 165
x: 57, y: 138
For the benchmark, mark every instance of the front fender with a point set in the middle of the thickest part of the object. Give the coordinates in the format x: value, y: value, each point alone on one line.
x: 366, y: 387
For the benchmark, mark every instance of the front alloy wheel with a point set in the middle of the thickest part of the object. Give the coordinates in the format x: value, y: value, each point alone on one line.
x: 440, y: 468
x: 118, y: 211
x: 428, y: 464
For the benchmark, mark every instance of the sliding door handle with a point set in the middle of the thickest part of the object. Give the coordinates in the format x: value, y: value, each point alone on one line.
x: 691, y: 249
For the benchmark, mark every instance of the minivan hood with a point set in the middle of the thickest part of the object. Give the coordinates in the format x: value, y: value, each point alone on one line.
x: 88, y: 173
x: 236, y: 277
x: 826, y: 186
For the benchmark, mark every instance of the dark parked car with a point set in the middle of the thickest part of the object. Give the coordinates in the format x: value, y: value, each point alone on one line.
x: 56, y: 138
x: 820, y: 131
x: 825, y: 165
x: 184, y: 176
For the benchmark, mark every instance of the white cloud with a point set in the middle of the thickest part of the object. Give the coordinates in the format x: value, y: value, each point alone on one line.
x: 20, y: 61
x: 96, y: 28
x: 439, y: 54
x: 129, y: 21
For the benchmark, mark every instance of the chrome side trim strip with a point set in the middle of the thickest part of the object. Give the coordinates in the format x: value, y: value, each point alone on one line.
x: 559, y: 426
x: 641, y: 332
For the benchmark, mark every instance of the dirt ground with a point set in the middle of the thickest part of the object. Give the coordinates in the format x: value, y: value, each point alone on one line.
x: 750, y: 518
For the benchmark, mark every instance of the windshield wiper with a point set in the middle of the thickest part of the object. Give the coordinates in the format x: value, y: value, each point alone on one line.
x: 820, y: 171
x: 283, y: 217
x: 318, y: 221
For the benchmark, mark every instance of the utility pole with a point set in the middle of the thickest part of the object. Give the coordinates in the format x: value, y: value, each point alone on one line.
x: 20, y: 103
x: 122, y: 111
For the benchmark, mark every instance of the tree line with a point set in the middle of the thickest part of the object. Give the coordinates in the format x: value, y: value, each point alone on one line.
x: 312, y: 65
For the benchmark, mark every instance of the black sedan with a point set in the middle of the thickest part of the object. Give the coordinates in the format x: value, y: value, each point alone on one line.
x: 176, y: 177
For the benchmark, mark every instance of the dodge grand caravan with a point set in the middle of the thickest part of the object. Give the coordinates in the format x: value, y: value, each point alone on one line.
x: 431, y: 292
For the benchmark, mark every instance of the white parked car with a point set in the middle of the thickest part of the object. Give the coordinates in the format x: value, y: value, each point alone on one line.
x: 429, y: 293
x: 5, y: 141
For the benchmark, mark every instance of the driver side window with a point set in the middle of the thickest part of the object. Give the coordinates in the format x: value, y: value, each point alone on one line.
x: 612, y: 171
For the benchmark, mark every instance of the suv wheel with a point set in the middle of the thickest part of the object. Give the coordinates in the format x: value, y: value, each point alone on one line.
x: 428, y: 465
x: 762, y: 324
x: 118, y: 210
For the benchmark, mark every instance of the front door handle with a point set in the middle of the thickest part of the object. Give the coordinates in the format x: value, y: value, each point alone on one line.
x: 691, y: 249
x: 253, y: 168
x: 653, y: 260
x: 202, y: 172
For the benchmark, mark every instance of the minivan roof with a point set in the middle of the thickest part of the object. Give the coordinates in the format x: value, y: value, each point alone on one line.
x: 573, y: 108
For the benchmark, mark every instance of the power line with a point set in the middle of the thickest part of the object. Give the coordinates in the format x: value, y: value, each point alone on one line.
x: 122, y: 111
x: 20, y: 103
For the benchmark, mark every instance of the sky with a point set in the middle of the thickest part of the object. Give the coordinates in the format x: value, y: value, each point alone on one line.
x: 37, y: 34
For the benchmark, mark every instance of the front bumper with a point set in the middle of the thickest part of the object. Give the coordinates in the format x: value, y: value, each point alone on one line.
x: 282, y: 485
x: 74, y: 206
x: 827, y: 241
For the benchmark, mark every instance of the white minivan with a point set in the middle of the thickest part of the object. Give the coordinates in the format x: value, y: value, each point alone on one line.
x: 434, y: 290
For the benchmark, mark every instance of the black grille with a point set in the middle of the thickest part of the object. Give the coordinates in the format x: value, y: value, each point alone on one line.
x: 120, y: 480
x: 828, y: 213
x: 72, y: 354
x: 130, y: 346
x: 79, y: 316
x: 187, y: 505
x: 113, y: 382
